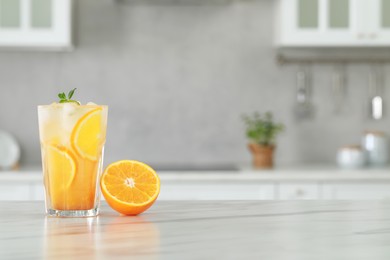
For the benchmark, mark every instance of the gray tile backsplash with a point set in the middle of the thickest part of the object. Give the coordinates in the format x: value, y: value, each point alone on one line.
x: 177, y: 76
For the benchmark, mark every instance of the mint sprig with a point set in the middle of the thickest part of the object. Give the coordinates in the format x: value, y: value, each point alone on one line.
x: 64, y: 99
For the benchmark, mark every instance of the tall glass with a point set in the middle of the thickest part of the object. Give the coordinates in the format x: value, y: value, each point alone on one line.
x: 72, y: 140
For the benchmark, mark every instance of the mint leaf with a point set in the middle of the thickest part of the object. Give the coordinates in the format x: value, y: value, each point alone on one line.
x: 64, y: 99
x: 62, y: 95
x: 70, y: 94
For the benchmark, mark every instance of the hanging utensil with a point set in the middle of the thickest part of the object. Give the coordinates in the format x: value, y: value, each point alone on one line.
x: 303, y: 109
x: 338, y: 88
x: 375, y: 84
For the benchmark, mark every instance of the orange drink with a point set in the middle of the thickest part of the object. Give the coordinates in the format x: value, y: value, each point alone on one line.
x: 72, y: 138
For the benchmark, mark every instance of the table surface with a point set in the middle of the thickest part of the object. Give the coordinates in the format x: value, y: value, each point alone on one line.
x: 202, y: 230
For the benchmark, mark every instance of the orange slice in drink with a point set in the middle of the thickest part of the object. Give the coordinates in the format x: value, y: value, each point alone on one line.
x: 130, y: 187
x: 61, y: 168
x: 87, y: 134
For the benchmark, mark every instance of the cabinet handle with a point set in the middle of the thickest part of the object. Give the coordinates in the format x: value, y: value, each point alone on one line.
x: 373, y: 35
x: 361, y: 35
x: 300, y: 192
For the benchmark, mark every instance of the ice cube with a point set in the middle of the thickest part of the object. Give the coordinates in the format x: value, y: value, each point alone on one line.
x: 43, y: 116
x: 70, y: 115
x: 68, y: 109
x: 91, y: 104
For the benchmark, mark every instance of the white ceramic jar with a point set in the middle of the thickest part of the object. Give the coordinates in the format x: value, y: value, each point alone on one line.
x: 376, y: 146
x: 351, y: 157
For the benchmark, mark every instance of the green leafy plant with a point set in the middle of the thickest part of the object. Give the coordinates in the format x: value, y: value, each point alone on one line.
x: 261, y: 129
x: 68, y: 99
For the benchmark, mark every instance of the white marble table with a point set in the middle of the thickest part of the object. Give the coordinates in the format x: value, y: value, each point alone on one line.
x: 203, y: 230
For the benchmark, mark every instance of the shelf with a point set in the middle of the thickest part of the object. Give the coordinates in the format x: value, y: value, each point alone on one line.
x: 297, y: 55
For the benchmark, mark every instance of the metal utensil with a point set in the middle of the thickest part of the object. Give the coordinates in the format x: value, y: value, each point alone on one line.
x: 303, y: 109
x: 338, y: 88
x: 375, y: 84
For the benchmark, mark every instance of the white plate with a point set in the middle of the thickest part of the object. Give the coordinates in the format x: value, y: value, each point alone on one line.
x: 9, y: 150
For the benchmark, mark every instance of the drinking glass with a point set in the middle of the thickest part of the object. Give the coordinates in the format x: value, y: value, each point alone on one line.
x: 72, y: 141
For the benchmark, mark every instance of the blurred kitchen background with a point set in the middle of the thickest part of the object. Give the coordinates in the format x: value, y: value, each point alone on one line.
x: 178, y: 74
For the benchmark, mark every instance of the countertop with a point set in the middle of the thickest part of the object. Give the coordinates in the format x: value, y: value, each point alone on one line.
x: 202, y: 230
x: 286, y: 173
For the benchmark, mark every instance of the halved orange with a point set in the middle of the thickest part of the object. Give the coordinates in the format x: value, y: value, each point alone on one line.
x: 130, y: 187
x: 87, y: 135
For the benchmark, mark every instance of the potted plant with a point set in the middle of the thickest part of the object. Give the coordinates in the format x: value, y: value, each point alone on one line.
x: 261, y: 131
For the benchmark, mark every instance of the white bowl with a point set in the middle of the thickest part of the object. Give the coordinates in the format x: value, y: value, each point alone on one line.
x: 9, y: 150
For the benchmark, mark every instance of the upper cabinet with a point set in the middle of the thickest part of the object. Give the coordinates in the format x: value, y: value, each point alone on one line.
x: 333, y: 23
x: 36, y: 24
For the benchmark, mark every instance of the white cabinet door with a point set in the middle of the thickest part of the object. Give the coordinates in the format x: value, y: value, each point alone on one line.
x: 11, y: 191
x: 317, y: 23
x: 42, y: 24
x: 38, y: 191
x: 378, y: 31
x: 334, y: 23
x: 298, y: 191
x: 203, y: 191
x: 356, y: 191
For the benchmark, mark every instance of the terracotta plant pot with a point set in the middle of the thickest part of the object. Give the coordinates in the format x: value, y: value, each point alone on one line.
x: 263, y: 156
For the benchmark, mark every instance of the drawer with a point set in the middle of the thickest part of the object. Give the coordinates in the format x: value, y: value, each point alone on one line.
x: 39, y: 191
x: 356, y: 191
x: 298, y: 191
x: 11, y: 191
x: 185, y: 191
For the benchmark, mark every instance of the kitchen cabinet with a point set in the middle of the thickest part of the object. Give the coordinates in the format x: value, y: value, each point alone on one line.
x: 213, y: 191
x: 15, y: 191
x: 352, y: 191
x: 35, y: 24
x: 280, y: 184
x: 333, y: 23
x: 37, y: 191
x: 243, y: 190
x: 169, y: 191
